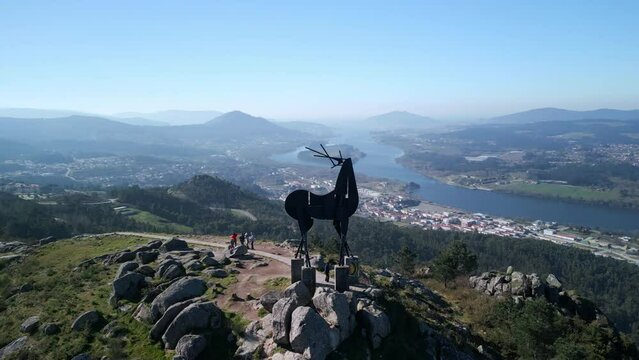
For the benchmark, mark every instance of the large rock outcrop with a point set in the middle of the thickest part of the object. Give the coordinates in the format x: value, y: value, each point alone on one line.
x: 282, y: 311
x: 128, y: 286
x: 190, y: 347
x: 183, y: 289
x: 13, y: 347
x: 299, y: 292
x: 87, y: 320
x: 333, y: 307
x: 195, y: 317
x: 255, y: 335
x: 126, y: 268
x: 314, y: 330
x: 30, y: 324
x: 310, y: 334
x: 145, y: 257
x: 169, y: 315
x: 122, y: 256
x: 518, y: 284
x: 522, y: 286
x: 237, y: 252
x: 170, y: 269
x: 375, y: 323
x: 269, y: 299
x: 174, y: 244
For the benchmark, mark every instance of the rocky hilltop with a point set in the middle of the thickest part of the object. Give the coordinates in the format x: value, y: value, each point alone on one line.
x: 118, y: 296
x: 175, y: 293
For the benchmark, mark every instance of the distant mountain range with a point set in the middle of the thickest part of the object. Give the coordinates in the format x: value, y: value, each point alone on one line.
x: 231, y: 130
x: 398, y: 120
x: 29, y: 113
x: 553, y: 114
x: 171, y: 117
x: 224, y: 123
x: 308, y: 127
x: 159, y: 118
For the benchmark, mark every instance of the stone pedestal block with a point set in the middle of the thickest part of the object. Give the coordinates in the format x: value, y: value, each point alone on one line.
x: 296, y: 270
x: 353, y: 268
x: 341, y: 278
x: 309, y: 278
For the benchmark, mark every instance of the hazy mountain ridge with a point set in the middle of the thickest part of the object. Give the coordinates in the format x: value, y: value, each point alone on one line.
x: 398, y: 120
x: 82, y: 128
x: 139, y: 121
x: 240, y: 123
x: 173, y: 117
x: 552, y: 114
x: 32, y: 113
x: 308, y: 127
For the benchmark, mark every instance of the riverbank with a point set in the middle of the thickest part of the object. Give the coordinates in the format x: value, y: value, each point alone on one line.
x: 613, y: 198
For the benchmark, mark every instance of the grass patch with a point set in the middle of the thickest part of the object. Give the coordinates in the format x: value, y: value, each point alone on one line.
x: 262, y: 312
x: 278, y: 283
x: 575, y: 135
x: 61, y: 294
x: 581, y: 193
x: 146, y: 217
x: 470, y: 305
x: 236, y: 322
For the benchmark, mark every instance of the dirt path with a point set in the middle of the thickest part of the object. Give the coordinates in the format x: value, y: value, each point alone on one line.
x: 252, y: 279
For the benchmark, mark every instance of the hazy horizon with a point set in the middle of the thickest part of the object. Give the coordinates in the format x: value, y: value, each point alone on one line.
x: 293, y: 61
x: 327, y: 120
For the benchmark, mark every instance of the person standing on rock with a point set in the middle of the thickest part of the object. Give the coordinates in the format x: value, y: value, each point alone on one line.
x: 242, y: 238
x: 327, y: 271
x: 251, y: 240
x: 234, y: 240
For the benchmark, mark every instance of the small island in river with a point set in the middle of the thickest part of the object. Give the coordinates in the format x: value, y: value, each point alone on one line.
x: 348, y: 151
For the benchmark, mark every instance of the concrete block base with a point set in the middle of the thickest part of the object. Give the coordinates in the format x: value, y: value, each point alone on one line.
x: 341, y: 278
x: 353, y: 268
x: 296, y: 269
x: 309, y: 278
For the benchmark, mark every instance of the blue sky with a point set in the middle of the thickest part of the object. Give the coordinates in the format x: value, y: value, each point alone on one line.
x: 320, y: 59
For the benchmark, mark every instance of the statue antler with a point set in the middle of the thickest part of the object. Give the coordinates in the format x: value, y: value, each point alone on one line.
x: 336, y: 161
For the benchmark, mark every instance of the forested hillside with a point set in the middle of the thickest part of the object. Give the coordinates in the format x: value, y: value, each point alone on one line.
x: 21, y: 219
x: 204, y: 203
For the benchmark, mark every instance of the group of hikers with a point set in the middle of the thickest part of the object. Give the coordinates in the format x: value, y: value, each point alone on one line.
x: 246, y: 239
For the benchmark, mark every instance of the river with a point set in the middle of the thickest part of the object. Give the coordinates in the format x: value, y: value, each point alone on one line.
x: 380, y: 162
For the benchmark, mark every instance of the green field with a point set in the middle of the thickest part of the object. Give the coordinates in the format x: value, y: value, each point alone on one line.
x: 154, y: 220
x: 581, y: 193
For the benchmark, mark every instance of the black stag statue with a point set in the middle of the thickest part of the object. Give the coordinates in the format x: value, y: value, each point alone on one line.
x: 338, y: 205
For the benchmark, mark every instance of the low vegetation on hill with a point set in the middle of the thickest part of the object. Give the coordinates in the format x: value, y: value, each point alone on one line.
x: 59, y: 293
x: 428, y: 319
x: 21, y: 219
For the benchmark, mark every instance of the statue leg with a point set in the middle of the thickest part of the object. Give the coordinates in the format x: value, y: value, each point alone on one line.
x: 344, y: 249
x: 305, y: 223
x: 300, y: 247
x: 307, y: 258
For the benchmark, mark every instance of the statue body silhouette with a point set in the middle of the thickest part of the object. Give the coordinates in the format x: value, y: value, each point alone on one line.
x: 338, y: 205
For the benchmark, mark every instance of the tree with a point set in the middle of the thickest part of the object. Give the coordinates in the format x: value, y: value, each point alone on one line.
x: 405, y: 259
x: 454, y: 261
